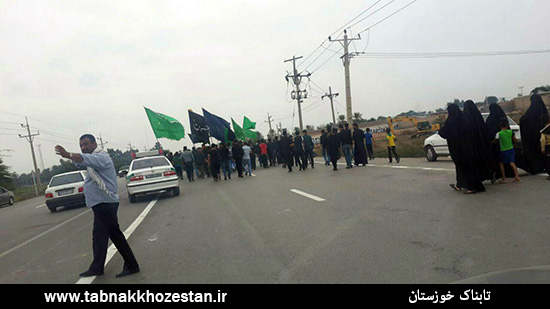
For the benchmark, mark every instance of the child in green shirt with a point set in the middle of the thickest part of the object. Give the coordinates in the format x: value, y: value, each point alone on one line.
x: 507, y: 154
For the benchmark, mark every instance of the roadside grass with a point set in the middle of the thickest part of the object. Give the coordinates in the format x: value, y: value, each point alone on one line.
x: 28, y: 192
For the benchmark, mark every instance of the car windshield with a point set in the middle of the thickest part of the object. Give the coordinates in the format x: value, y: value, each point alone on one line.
x: 510, y: 121
x: 66, y: 179
x: 150, y: 162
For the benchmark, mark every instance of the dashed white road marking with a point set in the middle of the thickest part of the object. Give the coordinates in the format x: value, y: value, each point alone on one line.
x: 311, y: 196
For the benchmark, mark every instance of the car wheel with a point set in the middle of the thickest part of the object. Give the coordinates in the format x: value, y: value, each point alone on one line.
x: 132, y: 198
x: 176, y: 191
x: 11, y: 202
x: 52, y: 209
x: 431, y: 156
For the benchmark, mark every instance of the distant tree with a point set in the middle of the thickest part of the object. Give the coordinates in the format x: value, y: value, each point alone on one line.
x: 6, y: 179
x: 341, y: 119
x: 491, y: 100
x: 357, y: 117
x: 541, y: 89
x: 372, y: 119
x: 381, y: 118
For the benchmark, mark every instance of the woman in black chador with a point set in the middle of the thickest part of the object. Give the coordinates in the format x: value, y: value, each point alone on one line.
x: 454, y: 131
x: 478, y: 148
x: 495, y: 114
x: 334, y: 147
x: 360, y: 148
x: 530, y: 127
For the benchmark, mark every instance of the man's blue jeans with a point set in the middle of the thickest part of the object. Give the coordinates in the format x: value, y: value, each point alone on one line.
x: 347, y: 153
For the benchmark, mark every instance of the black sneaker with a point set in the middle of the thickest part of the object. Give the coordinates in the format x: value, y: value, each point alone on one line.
x: 127, y: 272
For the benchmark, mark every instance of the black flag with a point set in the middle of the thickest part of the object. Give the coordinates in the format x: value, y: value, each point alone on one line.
x: 200, y: 133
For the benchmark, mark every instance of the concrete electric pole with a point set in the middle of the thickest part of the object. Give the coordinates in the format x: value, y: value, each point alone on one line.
x: 331, y: 95
x: 297, y: 94
x: 29, y: 138
x: 346, y: 59
x: 101, y: 141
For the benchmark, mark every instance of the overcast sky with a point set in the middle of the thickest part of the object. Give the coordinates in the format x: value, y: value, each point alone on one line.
x: 76, y: 67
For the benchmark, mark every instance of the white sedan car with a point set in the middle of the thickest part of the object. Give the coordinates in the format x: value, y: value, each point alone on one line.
x: 151, y: 174
x: 435, y: 146
x: 66, y: 189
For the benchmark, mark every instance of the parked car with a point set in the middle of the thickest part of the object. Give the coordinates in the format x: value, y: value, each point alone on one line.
x: 6, y: 197
x: 123, y: 171
x: 66, y: 189
x: 435, y: 146
x: 150, y: 172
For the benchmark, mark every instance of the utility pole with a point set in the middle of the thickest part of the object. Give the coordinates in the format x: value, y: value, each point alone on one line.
x: 41, y: 158
x: 346, y: 59
x: 521, y: 88
x: 331, y: 95
x: 269, y: 121
x: 29, y: 138
x: 101, y: 141
x: 297, y: 94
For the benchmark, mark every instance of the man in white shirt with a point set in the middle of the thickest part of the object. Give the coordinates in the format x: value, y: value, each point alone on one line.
x: 246, y: 159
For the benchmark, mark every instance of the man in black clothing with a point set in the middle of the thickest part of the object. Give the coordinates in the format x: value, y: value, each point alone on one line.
x: 238, y: 154
x: 333, y: 147
x: 286, y: 149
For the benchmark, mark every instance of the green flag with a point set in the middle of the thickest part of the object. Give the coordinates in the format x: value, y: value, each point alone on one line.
x: 165, y: 126
x: 248, y: 125
x: 251, y: 134
x: 239, y: 133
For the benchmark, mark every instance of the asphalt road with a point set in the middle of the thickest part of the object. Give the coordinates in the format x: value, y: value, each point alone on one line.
x: 398, y: 223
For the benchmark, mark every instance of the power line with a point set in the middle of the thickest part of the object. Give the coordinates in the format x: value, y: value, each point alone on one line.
x: 372, y: 13
x: 452, y: 54
x: 338, y: 30
x: 401, y: 9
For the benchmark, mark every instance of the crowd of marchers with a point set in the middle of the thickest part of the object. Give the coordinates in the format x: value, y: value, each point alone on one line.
x: 489, y: 150
x: 287, y: 150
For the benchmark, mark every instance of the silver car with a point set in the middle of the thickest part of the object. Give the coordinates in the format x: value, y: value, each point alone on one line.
x: 436, y: 146
x: 6, y: 197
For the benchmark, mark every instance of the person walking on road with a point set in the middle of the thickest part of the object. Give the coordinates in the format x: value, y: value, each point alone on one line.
x: 238, y: 154
x: 100, y: 191
x: 333, y: 147
x: 308, y: 149
x: 200, y: 162
x: 346, y: 140
x: 298, y: 150
x: 530, y: 128
x: 247, y: 155
x: 359, y: 143
x: 454, y: 131
x: 545, y: 142
x: 214, y: 162
x: 369, y: 141
x: 286, y: 144
x: 224, y: 160
x: 391, y: 145
x: 176, y: 161
x: 507, y: 140
x: 263, y: 154
x: 188, y: 161
x: 324, y: 145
